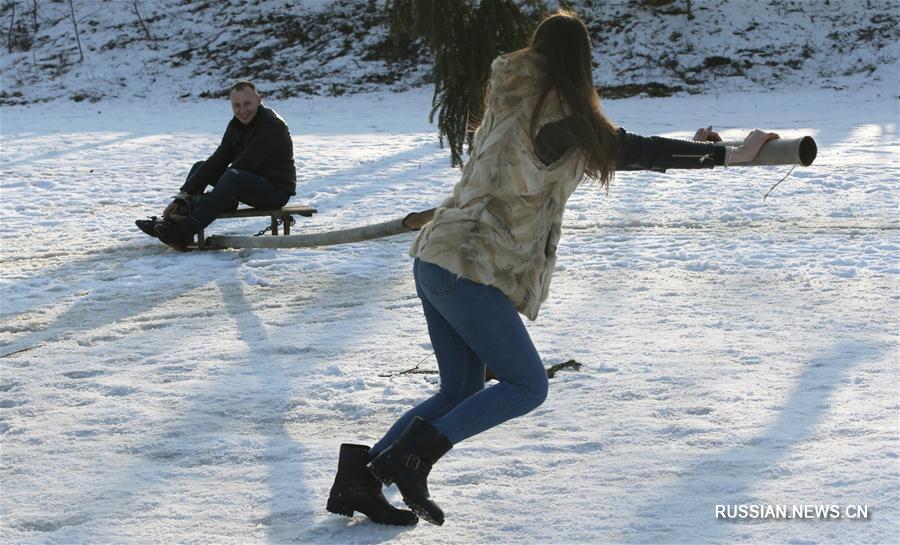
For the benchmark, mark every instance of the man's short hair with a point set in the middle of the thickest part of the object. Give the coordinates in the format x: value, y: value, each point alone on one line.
x: 241, y: 85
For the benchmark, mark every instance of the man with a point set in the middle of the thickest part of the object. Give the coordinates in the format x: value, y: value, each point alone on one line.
x: 254, y: 165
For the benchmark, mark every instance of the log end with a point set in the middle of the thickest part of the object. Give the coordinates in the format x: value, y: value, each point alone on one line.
x: 808, y: 150
x: 417, y: 220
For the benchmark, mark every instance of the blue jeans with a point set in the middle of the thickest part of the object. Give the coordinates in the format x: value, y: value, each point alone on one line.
x: 232, y: 187
x: 472, y: 325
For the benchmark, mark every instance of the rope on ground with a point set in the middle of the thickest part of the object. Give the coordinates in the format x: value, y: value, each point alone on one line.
x: 778, y: 182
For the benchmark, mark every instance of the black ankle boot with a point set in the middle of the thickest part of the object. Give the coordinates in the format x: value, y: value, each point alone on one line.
x: 407, y: 464
x: 148, y: 226
x: 355, y: 489
x: 174, y: 235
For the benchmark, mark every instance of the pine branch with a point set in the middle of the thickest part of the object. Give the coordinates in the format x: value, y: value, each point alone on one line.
x: 464, y: 39
x: 570, y: 364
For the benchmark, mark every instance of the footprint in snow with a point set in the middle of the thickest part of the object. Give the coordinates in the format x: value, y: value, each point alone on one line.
x: 84, y: 374
x: 43, y: 184
x: 119, y: 391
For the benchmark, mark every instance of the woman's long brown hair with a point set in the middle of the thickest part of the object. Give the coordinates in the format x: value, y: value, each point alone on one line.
x: 564, y: 42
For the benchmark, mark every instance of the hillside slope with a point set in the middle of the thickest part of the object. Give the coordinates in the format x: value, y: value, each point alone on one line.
x: 193, y: 49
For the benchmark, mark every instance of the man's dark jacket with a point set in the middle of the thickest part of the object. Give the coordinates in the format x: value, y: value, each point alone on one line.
x: 263, y: 147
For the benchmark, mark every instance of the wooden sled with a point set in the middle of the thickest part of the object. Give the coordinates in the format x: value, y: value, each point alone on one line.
x: 283, y: 214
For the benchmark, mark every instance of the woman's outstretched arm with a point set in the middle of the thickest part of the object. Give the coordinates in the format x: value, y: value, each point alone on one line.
x: 654, y: 152
x: 657, y: 153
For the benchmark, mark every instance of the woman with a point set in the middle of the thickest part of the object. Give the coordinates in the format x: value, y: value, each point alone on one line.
x: 490, y: 250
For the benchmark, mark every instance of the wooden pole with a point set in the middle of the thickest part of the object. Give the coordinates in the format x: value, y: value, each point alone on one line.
x: 411, y: 222
x: 796, y: 151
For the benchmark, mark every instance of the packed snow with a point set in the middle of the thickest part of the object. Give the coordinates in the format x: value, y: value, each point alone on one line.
x: 734, y: 351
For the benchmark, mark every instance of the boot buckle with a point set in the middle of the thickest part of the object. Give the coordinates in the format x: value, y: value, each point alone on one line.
x: 413, y: 462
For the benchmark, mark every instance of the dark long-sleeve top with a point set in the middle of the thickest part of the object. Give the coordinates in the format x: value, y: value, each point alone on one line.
x: 263, y: 147
x: 636, y: 152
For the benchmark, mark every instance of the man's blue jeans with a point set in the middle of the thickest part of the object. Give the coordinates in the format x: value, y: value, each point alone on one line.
x: 232, y: 187
x: 472, y: 325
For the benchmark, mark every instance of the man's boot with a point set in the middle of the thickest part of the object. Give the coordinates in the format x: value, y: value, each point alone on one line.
x: 176, y: 235
x: 148, y: 226
x: 407, y: 464
x: 356, y: 489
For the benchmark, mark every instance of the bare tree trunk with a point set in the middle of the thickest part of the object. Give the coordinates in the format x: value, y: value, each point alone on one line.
x: 12, y: 20
x: 34, y: 29
x: 141, y: 20
x: 75, y: 24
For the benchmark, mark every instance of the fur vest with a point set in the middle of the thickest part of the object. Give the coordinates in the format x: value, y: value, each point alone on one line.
x: 502, y: 224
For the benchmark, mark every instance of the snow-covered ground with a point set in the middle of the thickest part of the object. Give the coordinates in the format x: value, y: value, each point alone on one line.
x: 734, y: 351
